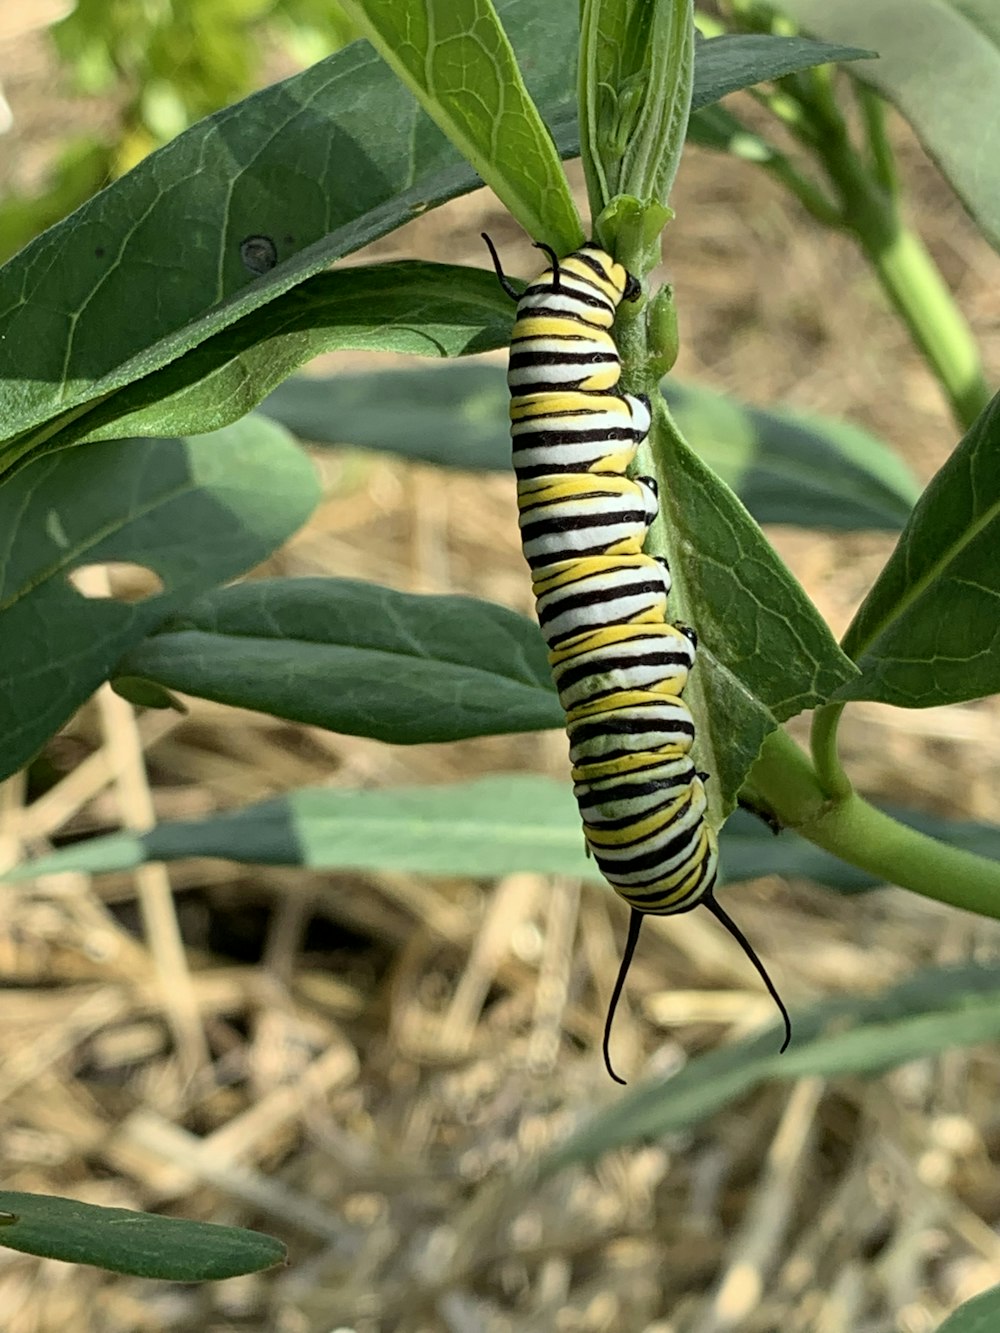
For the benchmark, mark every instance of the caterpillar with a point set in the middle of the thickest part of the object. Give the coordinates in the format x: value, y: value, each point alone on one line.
x: 618, y: 664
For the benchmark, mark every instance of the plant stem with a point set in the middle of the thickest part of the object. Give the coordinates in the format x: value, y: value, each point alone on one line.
x: 908, y: 274
x: 868, y: 838
x: 882, y: 159
x: 829, y: 770
x: 914, y: 285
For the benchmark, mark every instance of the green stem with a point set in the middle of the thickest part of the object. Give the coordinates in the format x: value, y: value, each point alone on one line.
x: 883, y: 159
x: 908, y: 275
x: 829, y: 770
x: 859, y: 834
x: 914, y: 285
x: 810, y: 196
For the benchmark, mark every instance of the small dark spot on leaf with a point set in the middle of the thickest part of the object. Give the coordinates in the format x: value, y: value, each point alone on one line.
x: 100, y: 252
x: 259, y: 254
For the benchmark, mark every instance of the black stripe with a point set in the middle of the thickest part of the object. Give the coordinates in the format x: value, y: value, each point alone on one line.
x: 576, y: 522
x: 546, y: 437
x: 585, y: 257
x: 571, y: 675
x: 626, y: 821
x: 519, y: 360
x: 596, y: 597
x: 588, y: 730
x: 655, y: 860
x: 596, y: 302
x: 620, y: 789
x: 646, y: 902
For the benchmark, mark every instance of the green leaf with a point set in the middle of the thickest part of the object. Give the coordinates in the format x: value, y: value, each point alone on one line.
x: 939, y: 1009
x: 939, y: 63
x: 927, y: 631
x: 764, y: 652
x: 636, y: 77
x: 195, y: 511
x: 434, y: 310
x: 357, y: 658
x: 305, y: 163
x: 485, y: 827
x: 140, y: 1244
x: 455, y: 416
x: 794, y: 467
x: 455, y: 57
x: 980, y: 1315
x: 786, y: 467
x: 724, y: 65
x: 144, y: 694
x: 488, y: 826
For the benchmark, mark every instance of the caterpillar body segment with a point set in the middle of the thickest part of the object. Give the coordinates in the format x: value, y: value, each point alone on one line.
x: 618, y: 663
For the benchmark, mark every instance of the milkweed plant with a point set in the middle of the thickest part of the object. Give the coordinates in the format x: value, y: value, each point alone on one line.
x: 150, y: 412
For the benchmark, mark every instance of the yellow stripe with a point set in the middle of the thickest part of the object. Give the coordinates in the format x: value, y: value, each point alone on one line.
x: 609, y: 636
x: 655, y: 822
x: 562, y: 403
x: 612, y: 702
x: 628, y: 763
x: 535, y: 490
x: 570, y: 571
x: 612, y: 284
x: 566, y: 324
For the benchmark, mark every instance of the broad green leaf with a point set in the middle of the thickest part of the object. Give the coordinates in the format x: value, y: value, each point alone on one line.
x: 794, y: 467
x: 980, y: 1315
x: 305, y: 164
x: 939, y: 1009
x: 636, y: 76
x: 485, y: 827
x: 488, y: 826
x: 939, y: 62
x: 140, y: 1244
x: 434, y: 310
x: 927, y: 631
x: 455, y: 416
x: 357, y: 658
x: 724, y: 65
x: 786, y: 467
x: 764, y: 652
x: 196, y: 511
x: 455, y: 58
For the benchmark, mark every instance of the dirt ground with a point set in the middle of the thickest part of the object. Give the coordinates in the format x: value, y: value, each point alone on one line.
x: 353, y: 1062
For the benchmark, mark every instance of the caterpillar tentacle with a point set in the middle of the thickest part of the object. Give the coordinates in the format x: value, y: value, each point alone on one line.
x: 618, y: 663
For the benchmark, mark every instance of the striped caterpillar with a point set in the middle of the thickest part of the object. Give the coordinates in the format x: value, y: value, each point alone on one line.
x: 619, y: 665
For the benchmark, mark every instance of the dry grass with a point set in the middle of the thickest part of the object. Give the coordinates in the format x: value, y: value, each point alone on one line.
x: 359, y: 1064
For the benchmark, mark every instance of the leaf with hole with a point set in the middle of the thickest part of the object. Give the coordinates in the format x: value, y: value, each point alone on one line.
x: 426, y: 310
x: 195, y: 511
x: 305, y: 164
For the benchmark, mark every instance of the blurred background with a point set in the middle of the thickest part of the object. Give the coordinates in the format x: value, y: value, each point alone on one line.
x: 355, y: 1062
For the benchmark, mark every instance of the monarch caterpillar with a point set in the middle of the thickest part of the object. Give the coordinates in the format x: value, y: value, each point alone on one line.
x: 619, y: 665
